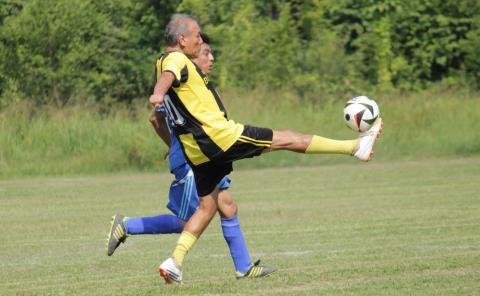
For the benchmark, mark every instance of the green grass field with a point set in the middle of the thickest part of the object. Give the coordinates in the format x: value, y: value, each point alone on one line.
x: 383, y: 228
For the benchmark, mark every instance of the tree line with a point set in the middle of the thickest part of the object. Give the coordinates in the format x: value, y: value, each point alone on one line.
x: 63, y: 51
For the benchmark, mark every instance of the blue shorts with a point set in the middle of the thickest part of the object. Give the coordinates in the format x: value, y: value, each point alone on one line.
x: 183, y: 199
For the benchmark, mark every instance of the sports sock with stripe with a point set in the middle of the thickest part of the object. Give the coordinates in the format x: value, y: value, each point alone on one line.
x: 236, y: 243
x: 184, y: 244
x: 162, y: 224
x: 324, y: 145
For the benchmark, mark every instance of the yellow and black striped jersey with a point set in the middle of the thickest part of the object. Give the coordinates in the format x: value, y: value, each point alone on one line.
x: 199, y: 117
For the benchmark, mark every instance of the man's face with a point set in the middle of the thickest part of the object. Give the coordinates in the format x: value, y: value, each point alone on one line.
x: 192, y: 41
x: 205, y: 59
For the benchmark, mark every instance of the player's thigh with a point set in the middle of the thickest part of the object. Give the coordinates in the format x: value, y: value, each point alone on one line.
x: 252, y: 142
x: 209, y: 175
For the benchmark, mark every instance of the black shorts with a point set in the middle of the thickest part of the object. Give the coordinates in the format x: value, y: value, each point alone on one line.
x: 251, y: 143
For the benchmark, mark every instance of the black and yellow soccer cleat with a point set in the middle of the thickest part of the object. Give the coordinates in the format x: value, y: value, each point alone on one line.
x: 256, y: 271
x: 117, y: 234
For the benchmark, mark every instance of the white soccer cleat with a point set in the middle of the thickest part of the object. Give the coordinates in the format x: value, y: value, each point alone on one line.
x: 170, y: 271
x: 366, y: 140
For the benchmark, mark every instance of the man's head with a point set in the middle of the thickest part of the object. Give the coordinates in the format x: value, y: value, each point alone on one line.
x: 205, y: 59
x: 183, y: 33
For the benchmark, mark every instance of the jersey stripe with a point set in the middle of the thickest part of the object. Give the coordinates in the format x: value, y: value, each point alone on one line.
x: 256, y: 140
x: 254, y: 143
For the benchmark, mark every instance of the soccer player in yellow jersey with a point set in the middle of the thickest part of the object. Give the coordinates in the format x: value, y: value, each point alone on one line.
x: 212, y: 142
x: 183, y: 199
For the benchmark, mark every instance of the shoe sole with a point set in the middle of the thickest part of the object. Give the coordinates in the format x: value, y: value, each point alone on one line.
x: 110, y: 235
x: 268, y: 274
x: 257, y: 277
x: 376, y: 137
x: 164, y: 274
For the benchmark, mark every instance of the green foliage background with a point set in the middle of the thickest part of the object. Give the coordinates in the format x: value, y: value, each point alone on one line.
x: 69, y: 50
x: 75, y: 75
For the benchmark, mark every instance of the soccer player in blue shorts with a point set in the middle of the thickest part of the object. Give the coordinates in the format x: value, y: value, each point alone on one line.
x: 211, y: 141
x: 183, y: 197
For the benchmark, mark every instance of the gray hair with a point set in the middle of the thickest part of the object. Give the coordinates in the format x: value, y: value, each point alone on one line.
x: 178, y: 25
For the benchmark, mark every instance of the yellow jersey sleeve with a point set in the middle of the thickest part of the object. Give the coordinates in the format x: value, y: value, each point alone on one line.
x: 176, y: 63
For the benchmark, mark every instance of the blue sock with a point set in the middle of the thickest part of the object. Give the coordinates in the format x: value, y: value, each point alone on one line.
x: 153, y: 225
x: 236, y: 243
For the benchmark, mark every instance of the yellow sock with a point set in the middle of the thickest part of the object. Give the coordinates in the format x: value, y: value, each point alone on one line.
x: 324, y: 145
x: 184, y: 244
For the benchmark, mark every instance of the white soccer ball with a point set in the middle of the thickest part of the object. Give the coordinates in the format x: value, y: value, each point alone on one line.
x: 360, y: 113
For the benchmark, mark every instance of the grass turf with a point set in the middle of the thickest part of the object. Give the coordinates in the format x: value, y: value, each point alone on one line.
x: 351, y: 229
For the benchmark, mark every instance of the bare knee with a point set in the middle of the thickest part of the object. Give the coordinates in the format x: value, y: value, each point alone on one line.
x: 227, y: 207
x: 207, y: 206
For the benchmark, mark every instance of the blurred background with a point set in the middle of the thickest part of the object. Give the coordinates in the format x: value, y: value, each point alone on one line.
x: 75, y: 76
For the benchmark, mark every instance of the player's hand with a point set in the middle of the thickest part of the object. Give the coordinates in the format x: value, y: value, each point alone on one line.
x: 156, y: 101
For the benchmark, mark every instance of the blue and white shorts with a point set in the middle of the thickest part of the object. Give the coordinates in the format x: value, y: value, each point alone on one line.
x: 183, y: 197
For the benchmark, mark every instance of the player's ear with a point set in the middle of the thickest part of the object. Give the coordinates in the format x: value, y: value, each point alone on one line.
x: 182, y: 41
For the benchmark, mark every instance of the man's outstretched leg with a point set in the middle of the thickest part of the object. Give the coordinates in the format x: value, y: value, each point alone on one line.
x: 361, y: 148
x: 182, y: 201
x: 162, y: 224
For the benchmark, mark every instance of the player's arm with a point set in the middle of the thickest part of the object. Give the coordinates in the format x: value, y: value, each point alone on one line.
x: 169, y: 72
x: 157, y: 119
x: 161, y: 87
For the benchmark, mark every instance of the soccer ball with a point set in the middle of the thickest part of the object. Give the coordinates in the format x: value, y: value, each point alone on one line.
x: 360, y: 113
